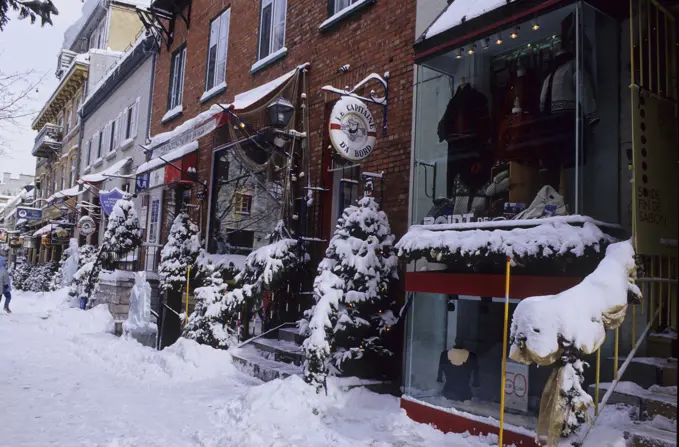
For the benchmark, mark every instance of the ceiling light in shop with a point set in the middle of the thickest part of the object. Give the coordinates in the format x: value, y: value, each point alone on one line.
x: 460, y: 53
x: 499, y: 39
x: 536, y: 25
x: 515, y: 33
x: 471, y: 49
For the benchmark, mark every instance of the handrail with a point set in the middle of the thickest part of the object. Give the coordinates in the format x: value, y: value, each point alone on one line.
x: 249, y: 340
x: 616, y: 379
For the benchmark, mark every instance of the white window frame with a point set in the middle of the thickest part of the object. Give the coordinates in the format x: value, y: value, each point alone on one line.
x: 219, y: 40
x: 177, y: 79
x: 277, y: 20
x: 343, y: 4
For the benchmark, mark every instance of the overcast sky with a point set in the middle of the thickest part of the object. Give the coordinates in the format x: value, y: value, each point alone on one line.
x: 23, y: 47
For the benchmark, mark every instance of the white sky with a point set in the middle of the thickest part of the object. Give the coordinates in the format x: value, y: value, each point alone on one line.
x: 23, y: 47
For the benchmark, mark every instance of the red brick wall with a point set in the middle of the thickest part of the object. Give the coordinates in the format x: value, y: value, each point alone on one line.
x: 377, y: 39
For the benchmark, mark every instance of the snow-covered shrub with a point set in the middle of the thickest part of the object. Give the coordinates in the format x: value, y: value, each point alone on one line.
x: 268, y: 268
x: 209, y: 323
x: 122, y: 235
x: 85, y: 279
x: 353, y: 311
x: 40, y: 277
x: 180, y: 251
x: 19, y: 274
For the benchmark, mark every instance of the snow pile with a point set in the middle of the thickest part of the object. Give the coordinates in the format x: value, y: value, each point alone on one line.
x: 460, y: 11
x: 73, y: 31
x: 180, y: 251
x: 139, y: 324
x: 353, y: 311
x: 70, y: 265
x: 577, y: 317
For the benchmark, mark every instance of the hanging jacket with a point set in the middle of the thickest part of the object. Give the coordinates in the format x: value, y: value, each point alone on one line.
x: 466, y: 116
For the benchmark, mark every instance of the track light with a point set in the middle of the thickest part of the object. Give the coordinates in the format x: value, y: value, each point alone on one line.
x: 471, y: 49
x: 536, y: 25
x: 515, y: 33
x: 460, y: 53
x: 499, y: 39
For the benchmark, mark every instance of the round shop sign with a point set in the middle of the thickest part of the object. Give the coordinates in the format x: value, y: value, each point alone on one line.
x: 86, y: 225
x: 352, y: 129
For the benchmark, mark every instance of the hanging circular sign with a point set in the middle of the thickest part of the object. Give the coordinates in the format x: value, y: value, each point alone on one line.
x: 86, y: 225
x: 352, y: 129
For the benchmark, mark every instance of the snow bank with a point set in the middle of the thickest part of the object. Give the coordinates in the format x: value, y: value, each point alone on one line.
x: 577, y: 316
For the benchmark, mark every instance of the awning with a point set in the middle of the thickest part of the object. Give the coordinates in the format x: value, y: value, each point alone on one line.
x: 169, y: 157
x: 69, y: 192
x: 104, y: 175
x: 45, y: 230
x: 20, y: 222
x: 460, y: 11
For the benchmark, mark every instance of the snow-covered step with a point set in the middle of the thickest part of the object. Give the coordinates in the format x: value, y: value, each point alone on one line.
x: 251, y: 361
x: 662, y: 344
x: 282, y: 351
x: 649, y: 371
x: 290, y: 334
x: 655, y: 401
x: 648, y: 434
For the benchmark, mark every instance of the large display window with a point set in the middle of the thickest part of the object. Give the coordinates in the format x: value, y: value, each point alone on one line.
x: 522, y: 123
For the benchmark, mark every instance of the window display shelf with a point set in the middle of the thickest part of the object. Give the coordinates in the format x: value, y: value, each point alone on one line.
x: 489, y: 285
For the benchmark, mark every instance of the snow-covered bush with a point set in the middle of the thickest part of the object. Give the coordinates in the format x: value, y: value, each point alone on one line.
x: 122, y: 235
x: 19, y: 274
x: 209, y: 323
x: 353, y: 311
x: 40, y: 277
x: 180, y: 251
x: 85, y: 279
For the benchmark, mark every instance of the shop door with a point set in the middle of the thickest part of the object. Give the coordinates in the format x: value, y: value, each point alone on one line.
x: 153, y: 246
x: 653, y: 31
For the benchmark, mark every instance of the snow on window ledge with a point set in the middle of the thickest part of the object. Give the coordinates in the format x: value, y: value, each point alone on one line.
x: 214, y: 91
x: 346, y: 12
x: 98, y: 162
x: 172, y: 114
x: 270, y: 59
x: 126, y: 144
x: 87, y: 169
x: 111, y: 155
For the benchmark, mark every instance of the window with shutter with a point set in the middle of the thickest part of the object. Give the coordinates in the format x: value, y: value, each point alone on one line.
x: 100, y: 143
x: 114, y: 135
x: 272, y: 26
x: 135, y: 119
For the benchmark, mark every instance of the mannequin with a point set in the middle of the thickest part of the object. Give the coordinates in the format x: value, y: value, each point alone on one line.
x: 460, y: 368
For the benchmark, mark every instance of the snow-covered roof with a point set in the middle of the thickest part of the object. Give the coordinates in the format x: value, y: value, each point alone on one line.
x: 103, y: 175
x: 170, y: 156
x: 460, y: 11
x: 240, y: 102
x: 73, y: 32
x: 69, y: 192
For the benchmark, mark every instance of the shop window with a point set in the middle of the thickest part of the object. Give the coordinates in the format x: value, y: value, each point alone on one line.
x: 217, y: 50
x: 243, y: 203
x: 454, y: 359
x: 499, y: 133
x: 272, y: 27
x: 176, y: 91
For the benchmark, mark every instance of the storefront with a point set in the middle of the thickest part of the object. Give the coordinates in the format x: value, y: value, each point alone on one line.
x: 525, y: 147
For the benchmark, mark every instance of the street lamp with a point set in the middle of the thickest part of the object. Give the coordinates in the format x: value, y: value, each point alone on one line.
x: 280, y: 112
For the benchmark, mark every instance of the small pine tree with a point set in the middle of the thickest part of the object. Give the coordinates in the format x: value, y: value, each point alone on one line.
x: 84, y: 280
x: 19, y: 275
x: 181, y: 250
x: 347, y: 326
x: 209, y: 321
x: 122, y: 235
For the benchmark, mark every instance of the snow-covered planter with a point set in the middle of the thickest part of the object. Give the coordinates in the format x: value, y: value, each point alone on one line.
x: 552, y: 248
x: 563, y: 328
x: 346, y: 329
x: 180, y: 251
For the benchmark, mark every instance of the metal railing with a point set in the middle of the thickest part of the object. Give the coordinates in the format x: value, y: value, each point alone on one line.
x: 49, y: 136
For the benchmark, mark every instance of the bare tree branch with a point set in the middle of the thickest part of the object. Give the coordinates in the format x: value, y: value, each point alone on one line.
x: 17, y: 91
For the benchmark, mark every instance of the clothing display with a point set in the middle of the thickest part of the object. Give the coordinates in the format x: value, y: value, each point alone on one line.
x: 460, y: 368
x: 547, y: 203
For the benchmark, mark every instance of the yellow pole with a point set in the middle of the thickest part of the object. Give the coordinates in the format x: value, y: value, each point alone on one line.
x: 504, y: 355
x: 615, y: 355
x: 188, y: 274
x: 596, y: 388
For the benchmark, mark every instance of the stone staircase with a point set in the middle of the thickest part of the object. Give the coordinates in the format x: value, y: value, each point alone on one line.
x: 272, y: 356
x: 651, y: 391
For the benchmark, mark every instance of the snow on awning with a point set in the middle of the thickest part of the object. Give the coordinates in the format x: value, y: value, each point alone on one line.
x: 44, y: 230
x: 103, y: 175
x: 246, y: 99
x: 21, y: 222
x: 460, y: 11
x: 69, y: 192
x: 169, y: 157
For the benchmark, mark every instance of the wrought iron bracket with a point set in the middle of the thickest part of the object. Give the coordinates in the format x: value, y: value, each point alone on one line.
x: 373, y: 98
x: 153, y: 20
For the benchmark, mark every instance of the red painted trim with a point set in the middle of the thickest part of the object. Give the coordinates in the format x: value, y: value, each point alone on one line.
x: 474, y: 284
x: 452, y: 423
x: 486, y: 29
x: 335, y: 126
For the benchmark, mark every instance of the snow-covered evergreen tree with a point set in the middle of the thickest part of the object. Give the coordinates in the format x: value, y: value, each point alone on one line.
x: 122, y: 235
x: 347, y: 326
x: 180, y: 251
x: 85, y: 280
x: 56, y: 281
x: 19, y: 274
x: 40, y: 276
x: 209, y: 322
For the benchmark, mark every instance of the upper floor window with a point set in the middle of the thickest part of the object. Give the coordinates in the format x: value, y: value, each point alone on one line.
x: 341, y: 4
x: 63, y: 178
x: 68, y: 119
x: 130, y: 116
x: 272, y: 27
x: 100, y: 142
x: 176, y: 93
x: 89, y: 152
x: 73, y: 170
x: 98, y: 37
x: 243, y: 203
x: 217, y: 50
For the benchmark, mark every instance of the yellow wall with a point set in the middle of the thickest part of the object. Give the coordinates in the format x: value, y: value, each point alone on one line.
x: 124, y: 28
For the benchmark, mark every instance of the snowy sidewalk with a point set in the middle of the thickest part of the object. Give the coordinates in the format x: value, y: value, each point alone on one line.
x: 67, y: 381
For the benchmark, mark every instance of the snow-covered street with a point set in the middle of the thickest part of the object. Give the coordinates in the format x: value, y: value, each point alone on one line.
x: 66, y: 380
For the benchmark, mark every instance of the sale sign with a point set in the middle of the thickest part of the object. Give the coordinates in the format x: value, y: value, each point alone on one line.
x: 516, y: 386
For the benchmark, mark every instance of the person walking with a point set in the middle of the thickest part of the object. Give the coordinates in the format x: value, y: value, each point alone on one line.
x: 5, y: 281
